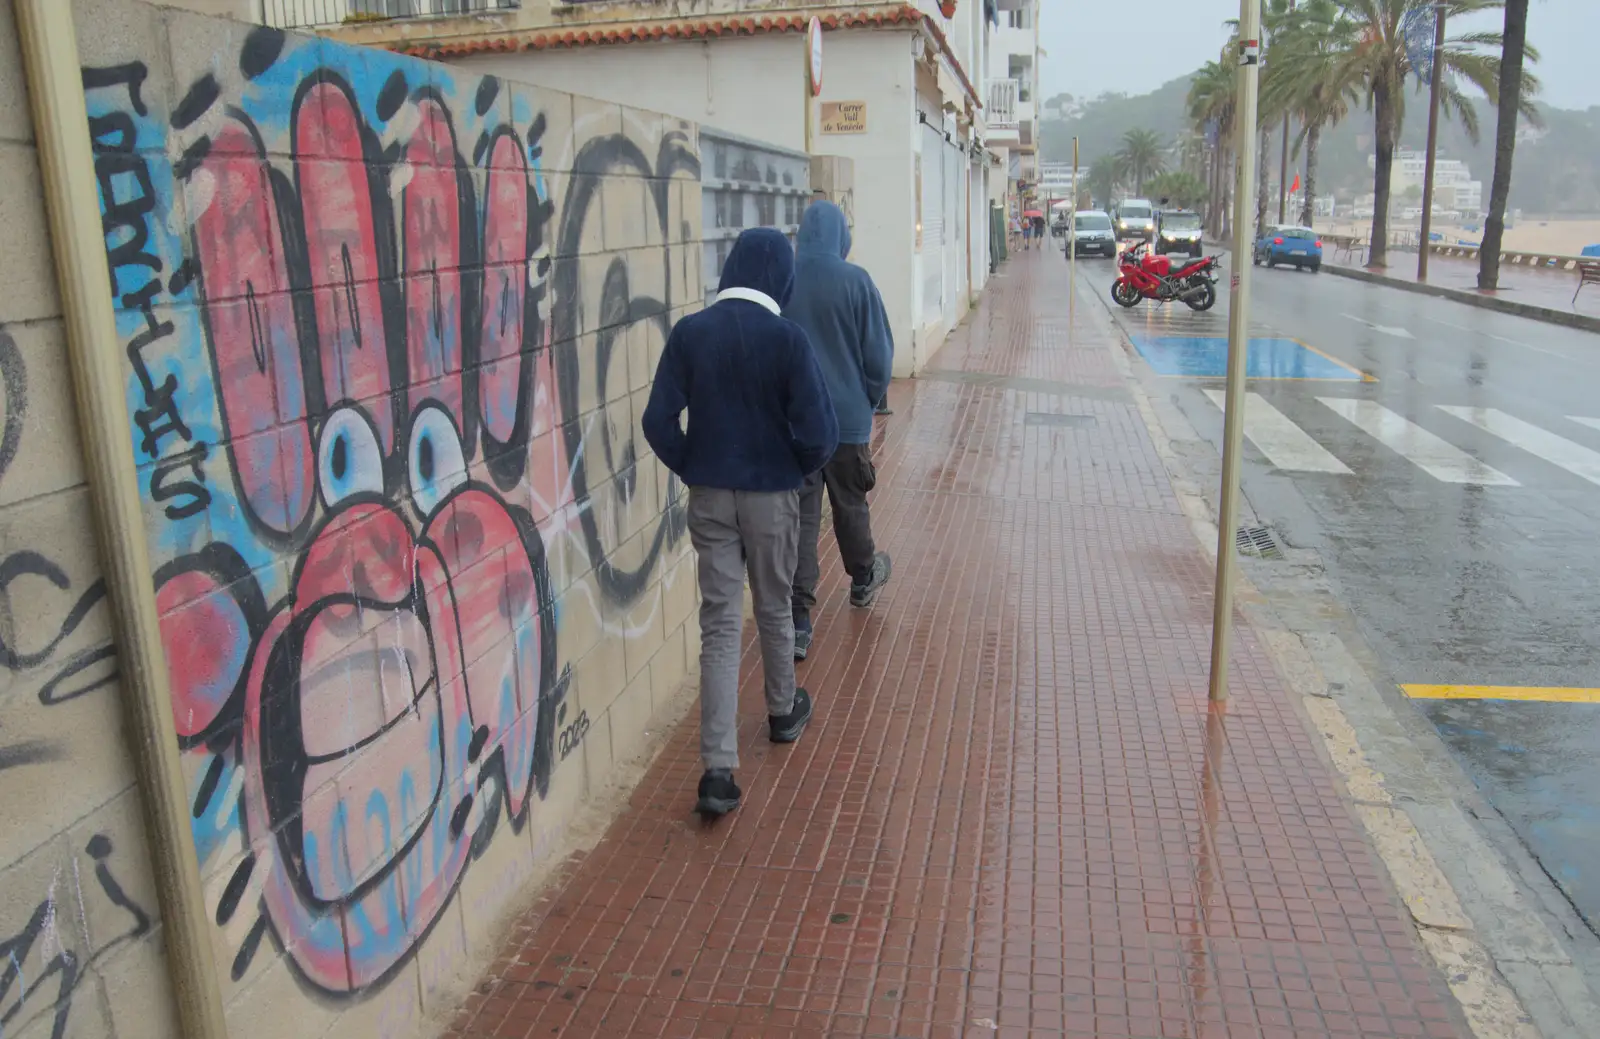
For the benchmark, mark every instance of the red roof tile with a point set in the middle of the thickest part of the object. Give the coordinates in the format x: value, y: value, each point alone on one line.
x: 682, y: 29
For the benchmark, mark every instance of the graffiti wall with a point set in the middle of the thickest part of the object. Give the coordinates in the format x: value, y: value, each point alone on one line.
x: 388, y: 331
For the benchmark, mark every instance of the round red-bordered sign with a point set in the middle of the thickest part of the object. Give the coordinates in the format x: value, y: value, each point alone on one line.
x: 814, y: 55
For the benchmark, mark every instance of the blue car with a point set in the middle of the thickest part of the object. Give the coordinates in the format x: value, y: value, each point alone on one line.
x: 1297, y: 246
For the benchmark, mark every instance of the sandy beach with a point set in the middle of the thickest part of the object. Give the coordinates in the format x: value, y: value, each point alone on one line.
x: 1557, y: 236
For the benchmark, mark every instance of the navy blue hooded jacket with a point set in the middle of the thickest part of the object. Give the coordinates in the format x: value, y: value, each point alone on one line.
x: 759, y: 414
x: 842, y: 313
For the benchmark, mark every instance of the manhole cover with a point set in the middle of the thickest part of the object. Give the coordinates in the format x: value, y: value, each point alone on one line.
x: 1046, y: 418
x: 1257, y: 541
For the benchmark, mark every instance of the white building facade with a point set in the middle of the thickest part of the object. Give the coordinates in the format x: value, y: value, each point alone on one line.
x: 911, y: 76
x: 1013, y: 102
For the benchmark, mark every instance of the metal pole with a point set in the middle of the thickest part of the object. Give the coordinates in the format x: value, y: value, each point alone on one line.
x: 1246, y: 96
x: 72, y: 201
x: 1072, y: 223
x: 805, y: 73
x: 1433, y: 143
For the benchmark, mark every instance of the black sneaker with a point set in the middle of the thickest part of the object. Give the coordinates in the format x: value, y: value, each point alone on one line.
x: 719, y: 794
x: 863, y: 595
x: 883, y: 408
x: 802, y: 640
x: 788, y: 728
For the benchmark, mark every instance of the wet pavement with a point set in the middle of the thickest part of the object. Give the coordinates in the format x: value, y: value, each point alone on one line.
x: 1544, y: 286
x: 1453, y: 496
x: 1013, y: 814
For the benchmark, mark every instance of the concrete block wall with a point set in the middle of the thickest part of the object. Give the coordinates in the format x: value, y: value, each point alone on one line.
x: 389, y: 330
x: 80, y: 936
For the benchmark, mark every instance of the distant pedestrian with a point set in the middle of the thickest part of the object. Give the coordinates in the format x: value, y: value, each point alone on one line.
x: 759, y: 423
x: 843, y: 315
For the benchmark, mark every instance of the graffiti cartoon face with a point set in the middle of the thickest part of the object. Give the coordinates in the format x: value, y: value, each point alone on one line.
x: 376, y: 333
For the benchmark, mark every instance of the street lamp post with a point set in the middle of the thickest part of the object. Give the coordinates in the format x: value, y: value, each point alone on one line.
x: 1246, y: 87
x: 1434, y: 74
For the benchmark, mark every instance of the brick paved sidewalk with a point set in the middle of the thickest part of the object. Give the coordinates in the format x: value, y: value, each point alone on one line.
x: 1013, y: 814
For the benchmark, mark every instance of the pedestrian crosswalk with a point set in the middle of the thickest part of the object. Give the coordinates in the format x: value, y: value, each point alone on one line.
x: 1290, y: 447
x: 1285, y: 444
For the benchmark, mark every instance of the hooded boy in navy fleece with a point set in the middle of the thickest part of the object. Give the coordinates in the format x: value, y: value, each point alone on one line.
x: 840, y: 309
x: 759, y: 414
x: 759, y: 422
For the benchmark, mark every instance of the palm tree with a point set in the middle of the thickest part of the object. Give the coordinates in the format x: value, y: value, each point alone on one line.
x: 1211, y: 103
x: 1374, y: 63
x: 1300, y: 82
x: 1143, y: 155
x: 1102, y: 179
x: 1179, y: 187
x: 1514, y: 48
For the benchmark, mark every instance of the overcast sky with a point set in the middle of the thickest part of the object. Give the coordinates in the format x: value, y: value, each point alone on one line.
x: 1159, y: 40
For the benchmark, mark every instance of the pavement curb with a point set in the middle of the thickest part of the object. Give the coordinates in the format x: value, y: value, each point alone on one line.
x: 1582, y: 322
x: 1489, y: 1003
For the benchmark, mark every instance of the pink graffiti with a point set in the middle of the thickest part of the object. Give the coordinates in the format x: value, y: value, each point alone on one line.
x: 403, y: 690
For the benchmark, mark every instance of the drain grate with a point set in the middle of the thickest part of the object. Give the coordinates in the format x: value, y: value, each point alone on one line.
x: 1046, y: 418
x: 1257, y: 541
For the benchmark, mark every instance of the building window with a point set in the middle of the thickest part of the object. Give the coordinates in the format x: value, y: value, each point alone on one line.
x: 1018, y: 19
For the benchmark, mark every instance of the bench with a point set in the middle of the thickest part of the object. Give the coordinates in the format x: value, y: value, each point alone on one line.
x: 1346, y: 244
x: 1588, y: 274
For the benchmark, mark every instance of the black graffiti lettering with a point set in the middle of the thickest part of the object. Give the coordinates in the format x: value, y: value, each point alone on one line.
x: 65, y: 964
x: 131, y: 75
x: 125, y: 214
x: 52, y: 693
x: 160, y: 417
x: 29, y: 563
x: 193, y: 498
x: 14, y: 383
x: 101, y: 128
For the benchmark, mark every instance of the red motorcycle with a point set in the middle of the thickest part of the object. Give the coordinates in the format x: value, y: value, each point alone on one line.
x: 1142, y: 274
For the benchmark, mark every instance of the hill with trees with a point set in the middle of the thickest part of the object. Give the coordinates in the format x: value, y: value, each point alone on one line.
x: 1554, y: 172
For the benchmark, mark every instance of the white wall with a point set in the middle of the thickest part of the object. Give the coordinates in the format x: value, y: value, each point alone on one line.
x: 876, y: 67
x: 752, y: 86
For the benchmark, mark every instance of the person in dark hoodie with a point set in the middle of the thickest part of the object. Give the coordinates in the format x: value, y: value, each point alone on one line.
x: 759, y: 422
x: 842, y: 314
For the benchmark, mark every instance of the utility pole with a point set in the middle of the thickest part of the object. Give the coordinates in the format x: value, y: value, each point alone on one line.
x: 1423, y: 247
x: 1246, y: 93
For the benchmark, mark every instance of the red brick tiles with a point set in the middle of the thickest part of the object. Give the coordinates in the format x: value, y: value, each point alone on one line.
x: 1013, y: 815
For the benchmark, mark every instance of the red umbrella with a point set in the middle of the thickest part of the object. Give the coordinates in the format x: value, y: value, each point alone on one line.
x: 1033, y: 213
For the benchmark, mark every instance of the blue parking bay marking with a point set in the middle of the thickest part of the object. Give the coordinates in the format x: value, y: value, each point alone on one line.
x: 1206, y: 357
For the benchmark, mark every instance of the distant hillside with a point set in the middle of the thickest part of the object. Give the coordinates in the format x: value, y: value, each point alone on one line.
x: 1103, y: 120
x: 1552, y: 175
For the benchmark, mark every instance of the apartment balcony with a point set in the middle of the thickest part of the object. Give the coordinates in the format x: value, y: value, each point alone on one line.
x: 1000, y: 110
x: 319, y: 14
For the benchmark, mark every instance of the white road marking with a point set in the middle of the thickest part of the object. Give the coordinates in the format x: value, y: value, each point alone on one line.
x: 1285, y: 444
x: 1503, y: 339
x: 1385, y: 329
x: 1592, y: 423
x: 1574, y: 458
x: 1423, y: 449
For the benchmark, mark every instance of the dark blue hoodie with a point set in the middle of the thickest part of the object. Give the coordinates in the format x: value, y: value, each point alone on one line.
x: 759, y: 414
x: 842, y: 313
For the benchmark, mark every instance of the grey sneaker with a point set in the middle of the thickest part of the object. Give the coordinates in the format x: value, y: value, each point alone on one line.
x: 802, y: 640
x: 718, y: 794
x: 864, y: 595
x: 788, y: 728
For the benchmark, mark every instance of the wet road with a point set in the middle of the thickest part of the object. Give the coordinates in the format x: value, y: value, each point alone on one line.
x: 1445, y: 461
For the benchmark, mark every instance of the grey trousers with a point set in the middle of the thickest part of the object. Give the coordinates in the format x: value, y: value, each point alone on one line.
x: 734, y: 533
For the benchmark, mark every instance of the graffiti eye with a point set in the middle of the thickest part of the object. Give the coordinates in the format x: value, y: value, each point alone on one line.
x: 437, y: 464
x: 348, y: 459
